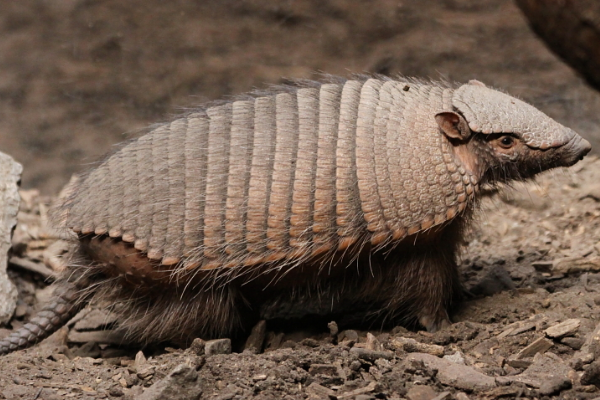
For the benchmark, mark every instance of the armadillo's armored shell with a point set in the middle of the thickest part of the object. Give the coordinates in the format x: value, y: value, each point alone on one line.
x: 490, y: 111
x: 282, y: 177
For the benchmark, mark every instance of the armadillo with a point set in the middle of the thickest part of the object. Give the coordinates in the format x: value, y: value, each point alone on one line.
x: 345, y: 199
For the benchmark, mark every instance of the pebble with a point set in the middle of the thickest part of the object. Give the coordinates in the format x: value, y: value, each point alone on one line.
x: 540, y: 345
x: 421, y: 392
x: 455, y: 375
x: 198, y: 346
x: 333, y: 328
x: 373, y: 343
x: 348, y: 335
x: 180, y: 384
x: 217, y: 346
x: 412, y: 346
x: 565, y: 328
x: 457, y: 358
x: 371, y: 355
x: 254, y: 343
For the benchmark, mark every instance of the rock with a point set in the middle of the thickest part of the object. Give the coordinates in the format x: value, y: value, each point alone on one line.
x: 319, y: 391
x: 348, y: 335
x: 140, y: 361
x: 554, y: 385
x: 357, y: 392
x: 181, y: 384
x: 412, y: 346
x: 217, y: 346
x: 254, y: 343
x: 457, y: 358
x: 547, y: 372
x: 333, y: 328
x: 198, y: 347
x: 565, y: 328
x: 455, y: 375
x: 325, y: 369
x: 443, y: 396
x: 573, y: 342
x: 373, y: 343
x: 591, y: 374
x: 420, y: 392
x: 371, y: 355
x: 10, y: 175
x: 539, y: 345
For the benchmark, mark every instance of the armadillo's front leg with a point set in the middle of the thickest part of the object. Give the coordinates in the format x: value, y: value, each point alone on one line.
x: 437, y: 287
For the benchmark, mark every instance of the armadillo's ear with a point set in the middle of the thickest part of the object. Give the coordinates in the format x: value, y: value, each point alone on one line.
x: 453, y: 125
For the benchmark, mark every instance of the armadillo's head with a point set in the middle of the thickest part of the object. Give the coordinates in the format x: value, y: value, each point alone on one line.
x: 504, y: 138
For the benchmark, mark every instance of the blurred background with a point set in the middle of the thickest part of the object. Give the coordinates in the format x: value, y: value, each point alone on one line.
x: 78, y: 76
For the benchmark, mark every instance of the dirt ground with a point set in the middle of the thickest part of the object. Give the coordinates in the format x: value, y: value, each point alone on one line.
x: 77, y: 75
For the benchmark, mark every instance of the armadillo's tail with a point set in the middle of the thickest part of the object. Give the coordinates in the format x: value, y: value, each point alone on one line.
x: 65, y: 303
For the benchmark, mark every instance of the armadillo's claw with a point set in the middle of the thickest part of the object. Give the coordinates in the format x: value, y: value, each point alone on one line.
x: 64, y: 305
x: 434, y: 323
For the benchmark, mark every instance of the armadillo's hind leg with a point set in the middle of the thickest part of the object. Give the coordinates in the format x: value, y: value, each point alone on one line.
x: 65, y: 303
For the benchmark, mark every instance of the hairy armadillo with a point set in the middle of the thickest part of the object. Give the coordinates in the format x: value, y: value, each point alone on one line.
x: 346, y: 199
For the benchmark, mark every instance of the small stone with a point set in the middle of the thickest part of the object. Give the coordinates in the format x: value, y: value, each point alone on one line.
x: 10, y: 176
x: 309, y: 342
x: 457, y: 358
x: 461, y: 396
x: 573, y: 342
x: 146, y: 373
x: 21, y: 310
x: 371, y: 355
x: 565, y: 328
x: 546, y: 303
x: 333, y: 328
x: 519, y: 363
x: 325, y: 369
x: 554, y: 385
x: 218, y: 346
x: 412, y: 346
x: 181, y: 383
x: 197, y: 347
x: 116, y: 391
x: 349, y: 334
x: 443, y: 396
x: 455, y: 375
x: 320, y: 391
x: 373, y: 343
x: 591, y: 374
x: 420, y: 392
x: 140, y: 361
x: 540, y: 345
x: 254, y: 343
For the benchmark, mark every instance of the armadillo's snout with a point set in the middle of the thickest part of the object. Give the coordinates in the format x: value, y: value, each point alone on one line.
x: 575, y: 150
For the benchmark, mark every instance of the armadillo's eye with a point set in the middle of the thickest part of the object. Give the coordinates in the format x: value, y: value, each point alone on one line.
x: 506, y: 142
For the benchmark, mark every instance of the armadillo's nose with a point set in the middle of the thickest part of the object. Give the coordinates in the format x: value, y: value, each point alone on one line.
x: 575, y: 150
x: 585, y: 148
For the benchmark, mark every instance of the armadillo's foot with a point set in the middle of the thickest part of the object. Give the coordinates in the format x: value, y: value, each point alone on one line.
x: 55, y: 314
x: 435, y: 322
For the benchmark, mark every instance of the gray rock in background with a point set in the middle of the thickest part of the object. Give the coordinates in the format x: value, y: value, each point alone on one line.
x: 10, y: 174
